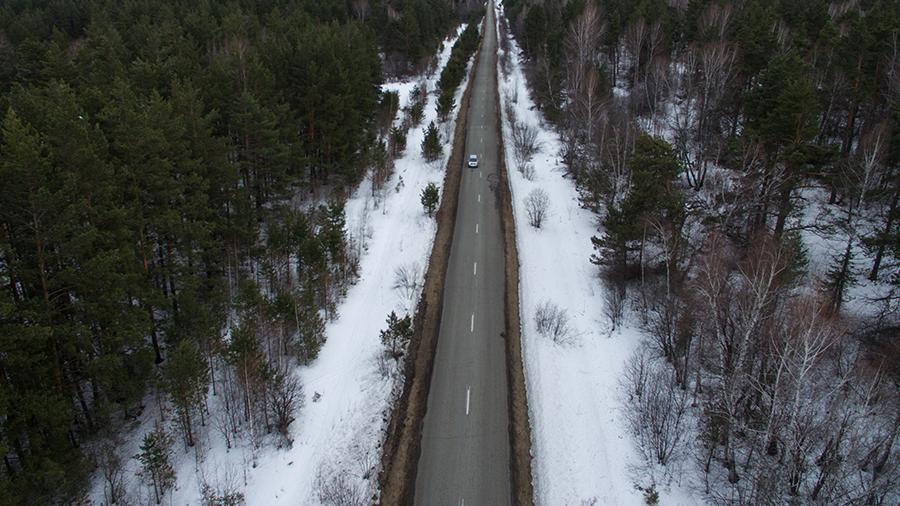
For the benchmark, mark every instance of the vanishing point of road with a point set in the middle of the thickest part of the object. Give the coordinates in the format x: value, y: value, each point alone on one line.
x: 465, y: 440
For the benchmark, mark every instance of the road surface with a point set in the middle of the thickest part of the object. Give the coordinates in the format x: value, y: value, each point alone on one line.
x: 465, y: 440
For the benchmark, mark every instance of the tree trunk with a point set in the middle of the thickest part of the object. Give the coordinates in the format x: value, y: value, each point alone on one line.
x: 86, y: 411
x: 840, y: 284
x: 156, y: 490
x: 154, y: 338
x: 730, y: 461
x: 10, y: 471
x: 784, y: 207
x: 883, y: 236
x: 187, y: 427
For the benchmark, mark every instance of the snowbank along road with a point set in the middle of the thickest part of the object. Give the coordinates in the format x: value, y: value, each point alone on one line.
x: 465, y: 440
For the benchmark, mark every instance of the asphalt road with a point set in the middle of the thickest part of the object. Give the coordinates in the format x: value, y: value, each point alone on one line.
x: 465, y: 441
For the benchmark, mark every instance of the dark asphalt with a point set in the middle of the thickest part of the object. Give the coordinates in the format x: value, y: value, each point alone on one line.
x: 465, y: 441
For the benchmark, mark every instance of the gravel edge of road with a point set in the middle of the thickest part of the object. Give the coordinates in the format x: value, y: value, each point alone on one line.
x: 519, y: 423
x: 403, y: 443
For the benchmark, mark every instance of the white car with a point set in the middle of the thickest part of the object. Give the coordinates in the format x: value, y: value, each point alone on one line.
x: 473, y: 161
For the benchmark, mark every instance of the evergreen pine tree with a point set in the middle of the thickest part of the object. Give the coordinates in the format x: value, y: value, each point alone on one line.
x: 155, y: 458
x: 445, y: 104
x: 431, y: 145
x: 781, y: 112
x: 429, y: 198
x: 186, y: 381
x: 654, y: 168
x: 398, y: 141
x: 839, y: 277
x: 418, y: 97
x: 310, y: 326
x: 397, y: 334
x: 245, y: 355
x: 140, y: 172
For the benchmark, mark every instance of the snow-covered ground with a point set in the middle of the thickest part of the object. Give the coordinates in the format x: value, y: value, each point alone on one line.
x: 340, y: 433
x: 582, y: 451
x: 825, y: 243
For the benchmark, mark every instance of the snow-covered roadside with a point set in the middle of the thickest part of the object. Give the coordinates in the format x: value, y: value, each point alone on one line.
x: 339, y: 433
x: 581, y: 447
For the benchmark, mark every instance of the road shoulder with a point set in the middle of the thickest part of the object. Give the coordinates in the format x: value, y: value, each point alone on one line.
x: 519, y: 425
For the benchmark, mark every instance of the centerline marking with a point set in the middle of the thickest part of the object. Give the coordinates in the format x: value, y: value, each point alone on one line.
x: 476, y: 228
x: 468, y: 393
x: 475, y: 269
x: 479, y: 197
x: 472, y: 323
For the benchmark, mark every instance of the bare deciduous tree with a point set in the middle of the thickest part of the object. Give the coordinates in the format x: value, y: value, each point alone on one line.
x: 614, y: 298
x: 635, y: 37
x: 582, y: 40
x: 112, y: 470
x: 662, y: 318
x: 582, y: 89
x: 708, y: 69
x: 736, y: 307
x: 525, y: 143
x: 407, y: 281
x: 612, y: 178
x: 716, y: 64
x: 656, y: 409
x: 537, y: 203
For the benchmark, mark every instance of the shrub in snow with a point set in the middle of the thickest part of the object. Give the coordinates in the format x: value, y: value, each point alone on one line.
x: 525, y: 143
x: 651, y: 495
x: 509, y: 109
x: 339, y: 489
x: 656, y: 408
x: 111, y: 469
x: 536, y: 205
x: 527, y: 171
x: 407, y: 279
x: 552, y: 322
x: 225, y: 491
x: 614, y: 297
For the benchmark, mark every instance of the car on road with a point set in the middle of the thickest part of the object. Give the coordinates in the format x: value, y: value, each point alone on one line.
x: 473, y: 161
